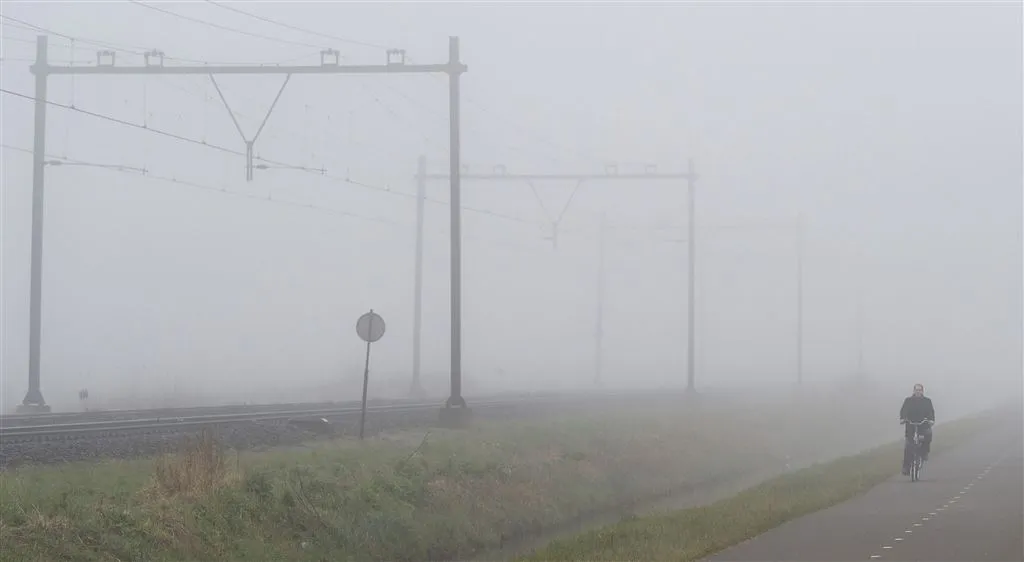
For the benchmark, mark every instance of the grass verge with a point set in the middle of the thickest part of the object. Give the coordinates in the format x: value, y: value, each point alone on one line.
x: 407, y: 496
x: 693, y: 534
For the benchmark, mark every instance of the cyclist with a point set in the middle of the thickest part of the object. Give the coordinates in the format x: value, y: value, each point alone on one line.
x: 916, y: 409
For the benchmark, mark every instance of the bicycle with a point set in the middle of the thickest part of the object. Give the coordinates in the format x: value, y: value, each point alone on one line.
x: 916, y: 462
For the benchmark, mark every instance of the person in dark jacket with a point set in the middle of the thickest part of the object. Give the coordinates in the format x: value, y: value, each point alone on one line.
x: 917, y: 408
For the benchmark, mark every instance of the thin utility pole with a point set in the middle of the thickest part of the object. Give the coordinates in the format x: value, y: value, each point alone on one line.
x: 455, y: 399
x: 330, y: 63
x: 800, y: 300
x: 691, y: 285
x: 34, y: 401
x: 798, y: 229
x: 417, y: 312
x: 860, y: 329
x: 611, y: 173
x: 599, y: 332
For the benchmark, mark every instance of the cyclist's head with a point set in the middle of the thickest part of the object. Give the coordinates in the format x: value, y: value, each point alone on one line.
x: 918, y: 389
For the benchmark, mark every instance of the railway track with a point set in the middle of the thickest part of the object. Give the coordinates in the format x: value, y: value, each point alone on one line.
x: 11, y: 421
x: 306, y: 416
x: 57, y: 441
x: 65, y: 418
x: 61, y: 418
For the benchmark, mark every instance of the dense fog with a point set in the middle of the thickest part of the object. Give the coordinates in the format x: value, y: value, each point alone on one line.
x: 891, y: 133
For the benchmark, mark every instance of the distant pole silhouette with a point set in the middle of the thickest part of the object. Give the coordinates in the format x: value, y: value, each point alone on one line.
x: 612, y: 173
x: 691, y: 286
x: 417, y: 311
x: 599, y: 333
x: 800, y: 300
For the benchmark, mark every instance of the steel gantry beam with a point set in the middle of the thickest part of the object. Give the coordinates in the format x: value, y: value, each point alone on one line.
x: 330, y: 63
x: 611, y: 173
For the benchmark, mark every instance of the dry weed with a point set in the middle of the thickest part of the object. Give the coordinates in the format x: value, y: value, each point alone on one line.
x: 199, y: 468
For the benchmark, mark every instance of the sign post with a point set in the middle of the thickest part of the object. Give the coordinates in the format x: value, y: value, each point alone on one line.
x: 370, y: 328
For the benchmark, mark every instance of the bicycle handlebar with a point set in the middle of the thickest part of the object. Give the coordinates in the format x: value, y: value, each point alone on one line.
x: 922, y: 422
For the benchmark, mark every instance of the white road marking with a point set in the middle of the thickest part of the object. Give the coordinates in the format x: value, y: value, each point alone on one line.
x: 931, y: 514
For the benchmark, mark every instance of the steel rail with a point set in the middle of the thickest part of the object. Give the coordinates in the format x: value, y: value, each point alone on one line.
x: 182, y: 423
x: 21, y: 420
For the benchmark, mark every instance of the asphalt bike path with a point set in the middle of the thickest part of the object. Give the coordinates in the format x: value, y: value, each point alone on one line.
x: 968, y: 506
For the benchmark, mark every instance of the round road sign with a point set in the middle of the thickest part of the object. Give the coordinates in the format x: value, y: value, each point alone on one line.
x: 370, y: 327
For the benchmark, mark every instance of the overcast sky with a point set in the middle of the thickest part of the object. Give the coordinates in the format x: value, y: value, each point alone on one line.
x: 895, y: 130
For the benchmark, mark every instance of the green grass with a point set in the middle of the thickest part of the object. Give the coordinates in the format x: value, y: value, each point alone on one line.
x: 695, y: 533
x: 405, y: 496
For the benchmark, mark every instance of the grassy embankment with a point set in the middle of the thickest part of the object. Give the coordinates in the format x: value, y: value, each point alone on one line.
x: 693, y: 534
x: 406, y: 496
